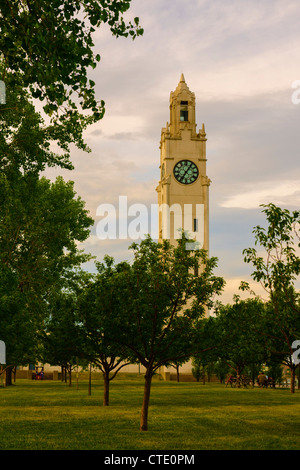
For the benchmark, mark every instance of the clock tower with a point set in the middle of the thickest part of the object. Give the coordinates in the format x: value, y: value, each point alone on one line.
x: 183, y: 188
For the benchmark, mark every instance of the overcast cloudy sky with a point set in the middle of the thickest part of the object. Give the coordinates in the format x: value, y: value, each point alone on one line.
x: 241, y: 58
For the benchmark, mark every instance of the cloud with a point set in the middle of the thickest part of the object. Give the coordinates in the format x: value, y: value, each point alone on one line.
x: 96, y: 132
x: 124, y: 136
x: 232, y: 288
x: 281, y: 193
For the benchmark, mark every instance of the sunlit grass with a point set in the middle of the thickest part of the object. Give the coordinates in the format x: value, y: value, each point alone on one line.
x: 182, y: 416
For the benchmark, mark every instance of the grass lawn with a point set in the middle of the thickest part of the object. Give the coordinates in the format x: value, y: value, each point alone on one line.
x: 46, y: 415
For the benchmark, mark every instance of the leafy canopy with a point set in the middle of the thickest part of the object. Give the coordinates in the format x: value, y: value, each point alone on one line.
x: 165, y: 301
x: 47, y: 46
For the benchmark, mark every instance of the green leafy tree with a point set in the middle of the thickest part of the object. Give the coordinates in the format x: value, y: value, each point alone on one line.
x: 61, y: 339
x: 221, y: 370
x: 26, y: 142
x: 41, y: 224
x: 240, y: 335
x: 253, y: 370
x: 99, y: 304
x: 210, y: 369
x: 48, y: 47
x: 17, y: 330
x: 198, y: 369
x: 204, y: 362
x: 177, y: 365
x: 281, y: 327
x: 275, y: 371
x: 277, y: 270
x: 211, y: 339
x: 165, y: 304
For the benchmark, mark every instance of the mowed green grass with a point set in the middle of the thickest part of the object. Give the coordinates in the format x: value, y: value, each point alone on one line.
x: 46, y: 415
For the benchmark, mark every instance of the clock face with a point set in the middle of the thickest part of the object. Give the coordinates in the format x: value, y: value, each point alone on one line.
x: 186, y: 172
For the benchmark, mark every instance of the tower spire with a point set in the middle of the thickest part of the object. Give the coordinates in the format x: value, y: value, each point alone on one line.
x: 182, y: 109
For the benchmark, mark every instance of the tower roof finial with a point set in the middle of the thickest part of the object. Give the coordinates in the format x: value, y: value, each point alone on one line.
x: 182, y: 85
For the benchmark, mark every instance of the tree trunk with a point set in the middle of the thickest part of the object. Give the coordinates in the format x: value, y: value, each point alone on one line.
x: 239, y: 370
x: 8, y: 376
x: 90, y: 380
x: 70, y: 375
x: 146, y: 399
x: 293, y: 374
x: 177, y: 373
x: 106, y: 389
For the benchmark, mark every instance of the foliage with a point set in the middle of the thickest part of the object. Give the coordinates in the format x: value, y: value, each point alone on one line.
x: 61, y: 340
x: 274, y: 370
x: 241, y: 338
x: 221, y: 370
x: 48, y: 47
x: 40, y: 225
x: 26, y: 142
x: 277, y: 271
x: 282, y: 327
x: 198, y: 369
x: 165, y: 301
x: 16, y: 330
x: 99, y: 304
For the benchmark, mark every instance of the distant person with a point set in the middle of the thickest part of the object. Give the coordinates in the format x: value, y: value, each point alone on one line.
x: 271, y: 382
x: 261, y: 379
x: 229, y: 380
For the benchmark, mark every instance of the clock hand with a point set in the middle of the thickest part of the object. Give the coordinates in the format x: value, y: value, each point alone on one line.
x: 186, y: 172
x: 181, y: 177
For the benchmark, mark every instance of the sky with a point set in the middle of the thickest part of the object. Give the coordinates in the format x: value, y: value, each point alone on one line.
x: 242, y: 60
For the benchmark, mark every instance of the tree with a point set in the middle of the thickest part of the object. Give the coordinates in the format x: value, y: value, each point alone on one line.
x: 204, y: 361
x: 99, y: 304
x: 198, y: 369
x: 17, y: 330
x: 25, y: 139
x: 221, y: 370
x: 165, y: 304
x: 277, y: 272
x: 41, y: 224
x: 48, y: 47
x: 275, y: 371
x: 281, y: 328
x: 61, y: 339
x: 240, y: 334
x: 176, y: 366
